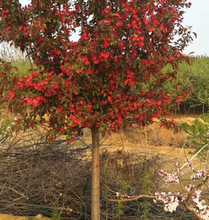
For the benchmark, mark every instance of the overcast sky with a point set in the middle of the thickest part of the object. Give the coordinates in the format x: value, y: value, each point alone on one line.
x: 197, y: 17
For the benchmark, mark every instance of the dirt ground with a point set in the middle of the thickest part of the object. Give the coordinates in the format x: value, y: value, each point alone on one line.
x: 10, y: 217
x: 171, y: 145
x: 151, y: 140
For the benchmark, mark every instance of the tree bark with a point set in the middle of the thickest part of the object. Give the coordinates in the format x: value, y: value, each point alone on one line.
x: 95, y: 190
x: 203, y: 108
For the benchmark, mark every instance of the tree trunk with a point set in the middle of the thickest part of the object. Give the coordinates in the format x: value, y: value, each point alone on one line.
x: 203, y: 108
x: 95, y: 189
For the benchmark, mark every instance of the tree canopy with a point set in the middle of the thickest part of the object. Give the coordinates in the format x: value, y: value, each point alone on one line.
x: 110, y: 74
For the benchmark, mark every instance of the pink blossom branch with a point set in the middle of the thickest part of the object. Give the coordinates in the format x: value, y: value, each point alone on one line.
x: 189, y: 208
x: 125, y: 198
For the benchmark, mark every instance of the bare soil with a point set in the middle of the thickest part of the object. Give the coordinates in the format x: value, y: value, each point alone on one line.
x: 10, y: 217
x: 172, y: 145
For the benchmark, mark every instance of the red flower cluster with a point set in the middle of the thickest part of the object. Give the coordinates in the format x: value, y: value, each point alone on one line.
x: 111, y: 75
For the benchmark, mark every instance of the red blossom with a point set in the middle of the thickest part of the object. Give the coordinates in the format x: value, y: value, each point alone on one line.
x: 170, y: 59
x: 34, y: 74
x: 62, y: 130
x: 179, y: 100
x: 105, y: 54
x: 11, y: 94
x: 85, y: 60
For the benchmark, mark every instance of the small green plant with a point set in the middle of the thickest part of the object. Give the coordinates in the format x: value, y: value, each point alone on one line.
x: 56, y: 214
x: 105, y: 192
x: 198, y: 132
x: 119, y: 210
x: 124, y: 188
x: 55, y: 203
x: 145, y: 204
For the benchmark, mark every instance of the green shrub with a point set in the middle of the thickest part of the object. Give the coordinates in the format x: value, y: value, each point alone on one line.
x: 21, y: 67
x: 198, y: 133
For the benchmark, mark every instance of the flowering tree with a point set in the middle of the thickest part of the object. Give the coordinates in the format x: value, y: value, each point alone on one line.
x: 190, y: 193
x: 109, y: 77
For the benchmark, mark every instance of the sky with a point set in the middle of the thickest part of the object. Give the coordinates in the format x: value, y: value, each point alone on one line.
x: 198, y: 17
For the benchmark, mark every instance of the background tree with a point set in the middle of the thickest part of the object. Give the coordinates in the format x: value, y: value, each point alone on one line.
x: 197, y: 77
x: 110, y: 77
x: 193, y: 78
